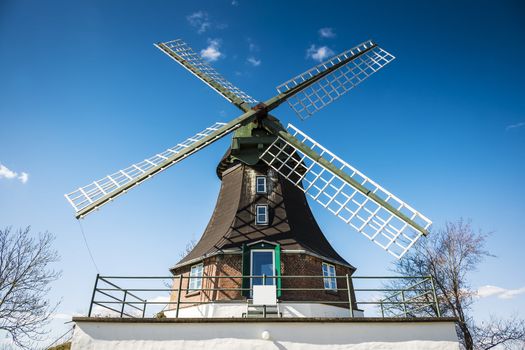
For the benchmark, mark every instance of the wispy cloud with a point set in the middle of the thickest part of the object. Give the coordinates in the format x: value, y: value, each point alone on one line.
x: 199, y: 20
x: 60, y: 316
x: 235, y: 3
x: 9, y: 174
x: 212, y: 52
x: 515, y: 126
x: 327, y: 32
x: 160, y: 299
x: 501, y: 293
x: 254, y: 61
x: 252, y: 46
x: 319, y: 53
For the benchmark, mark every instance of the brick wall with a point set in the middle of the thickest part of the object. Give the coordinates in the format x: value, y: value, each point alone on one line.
x: 291, y: 264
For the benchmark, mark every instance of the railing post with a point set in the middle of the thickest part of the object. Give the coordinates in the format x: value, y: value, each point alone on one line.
x: 264, y: 279
x: 178, y: 296
x: 404, y: 303
x: 93, y: 296
x: 123, y: 303
x: 382, y: 309
x: 438, y: 312
x: 350, y: 301
x: 144, y: 309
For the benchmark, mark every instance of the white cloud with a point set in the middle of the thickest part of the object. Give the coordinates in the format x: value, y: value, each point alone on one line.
x: 515, y: 126
x: 9, y: 174
x: 23, y: 177
x: 199, y: 20
x: 62, y: 317
x: 6, y: 172
x: 327, y: 32
x: 254, y: 61
x: 160, y: 299
x: 235, y: 3
x: 253, y: 47
x: 212, y: 53
x: 319, y: 53
x: 100, y: 311
x: 501, y: 293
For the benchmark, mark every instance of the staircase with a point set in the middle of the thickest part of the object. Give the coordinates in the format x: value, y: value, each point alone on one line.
x: 264, y: 311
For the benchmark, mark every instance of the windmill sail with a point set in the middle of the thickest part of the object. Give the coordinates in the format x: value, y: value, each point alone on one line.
x: 361, y: 62
x: 90, y: 197
x: 183, y: 54
x: 346, y: 192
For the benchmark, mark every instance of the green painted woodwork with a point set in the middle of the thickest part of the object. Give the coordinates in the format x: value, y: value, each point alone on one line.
x: 246, y: 261
x: 245, y: 271
x: 278, y: 268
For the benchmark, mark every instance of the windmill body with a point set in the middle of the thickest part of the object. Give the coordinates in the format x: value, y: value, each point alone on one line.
x: 263, y: 269
x: 236, y: 242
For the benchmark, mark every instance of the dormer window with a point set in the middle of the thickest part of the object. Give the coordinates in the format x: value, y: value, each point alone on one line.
x: 261, y: 214
x: 260, y: 184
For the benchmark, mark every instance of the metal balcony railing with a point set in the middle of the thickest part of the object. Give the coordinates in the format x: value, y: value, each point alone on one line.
x: 384, y: 296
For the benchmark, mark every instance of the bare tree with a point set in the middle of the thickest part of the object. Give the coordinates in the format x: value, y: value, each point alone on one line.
x: 25, y: 278
x: 509, y: 334
x: 189, y: 247
x: 449, y: 255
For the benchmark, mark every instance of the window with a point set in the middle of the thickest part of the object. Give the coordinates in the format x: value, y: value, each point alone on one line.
x: 262, y: 264
x: 260, y: 184
x: 261, y: 214
x: 195, y: 278
x: 330, y: 282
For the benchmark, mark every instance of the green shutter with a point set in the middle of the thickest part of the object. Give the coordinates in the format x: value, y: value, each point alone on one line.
x: 278, y: 268
x: 245, y: 270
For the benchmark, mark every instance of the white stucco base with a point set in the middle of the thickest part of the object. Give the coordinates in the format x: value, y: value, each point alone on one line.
x: 228, y: 310
x: 249, y: 334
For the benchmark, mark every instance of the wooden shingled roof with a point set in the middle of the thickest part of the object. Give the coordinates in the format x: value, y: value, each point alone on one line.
x: 232, y: 224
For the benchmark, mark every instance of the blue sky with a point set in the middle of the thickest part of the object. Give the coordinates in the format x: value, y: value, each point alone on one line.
x: 84, y: 93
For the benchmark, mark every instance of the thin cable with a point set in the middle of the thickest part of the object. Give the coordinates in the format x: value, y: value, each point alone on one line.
x: 62, y: 336
x: 87, y: 246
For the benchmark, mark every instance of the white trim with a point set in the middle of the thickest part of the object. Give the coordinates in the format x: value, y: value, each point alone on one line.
x: 265, y: 184
x: 235, y: 309
x: 267, y: 221
x: 251, y: 263
x: 331, y: 279
x: 197, y: 281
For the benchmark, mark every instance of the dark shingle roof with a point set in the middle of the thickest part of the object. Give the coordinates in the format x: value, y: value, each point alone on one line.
x: 232, y: 224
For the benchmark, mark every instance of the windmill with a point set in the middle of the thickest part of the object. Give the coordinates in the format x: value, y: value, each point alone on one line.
x: 259, y: 138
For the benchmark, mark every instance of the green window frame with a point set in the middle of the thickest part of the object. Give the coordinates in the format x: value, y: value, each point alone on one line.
x: 246, y: 265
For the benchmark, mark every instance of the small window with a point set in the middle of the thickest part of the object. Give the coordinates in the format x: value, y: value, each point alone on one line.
x: 261, y: 214
x: 330, y: 282
x: 195, y: 278
x: 260, y: 184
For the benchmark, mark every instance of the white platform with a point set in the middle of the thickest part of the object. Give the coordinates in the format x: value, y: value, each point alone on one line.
x: 223, y: 310
x: 218, y: 334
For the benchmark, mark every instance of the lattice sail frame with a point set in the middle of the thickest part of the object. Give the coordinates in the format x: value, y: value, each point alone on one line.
x: 343, y: 199
x: 185, y: 55
x: 85, y: 196
x: 339, y: 82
